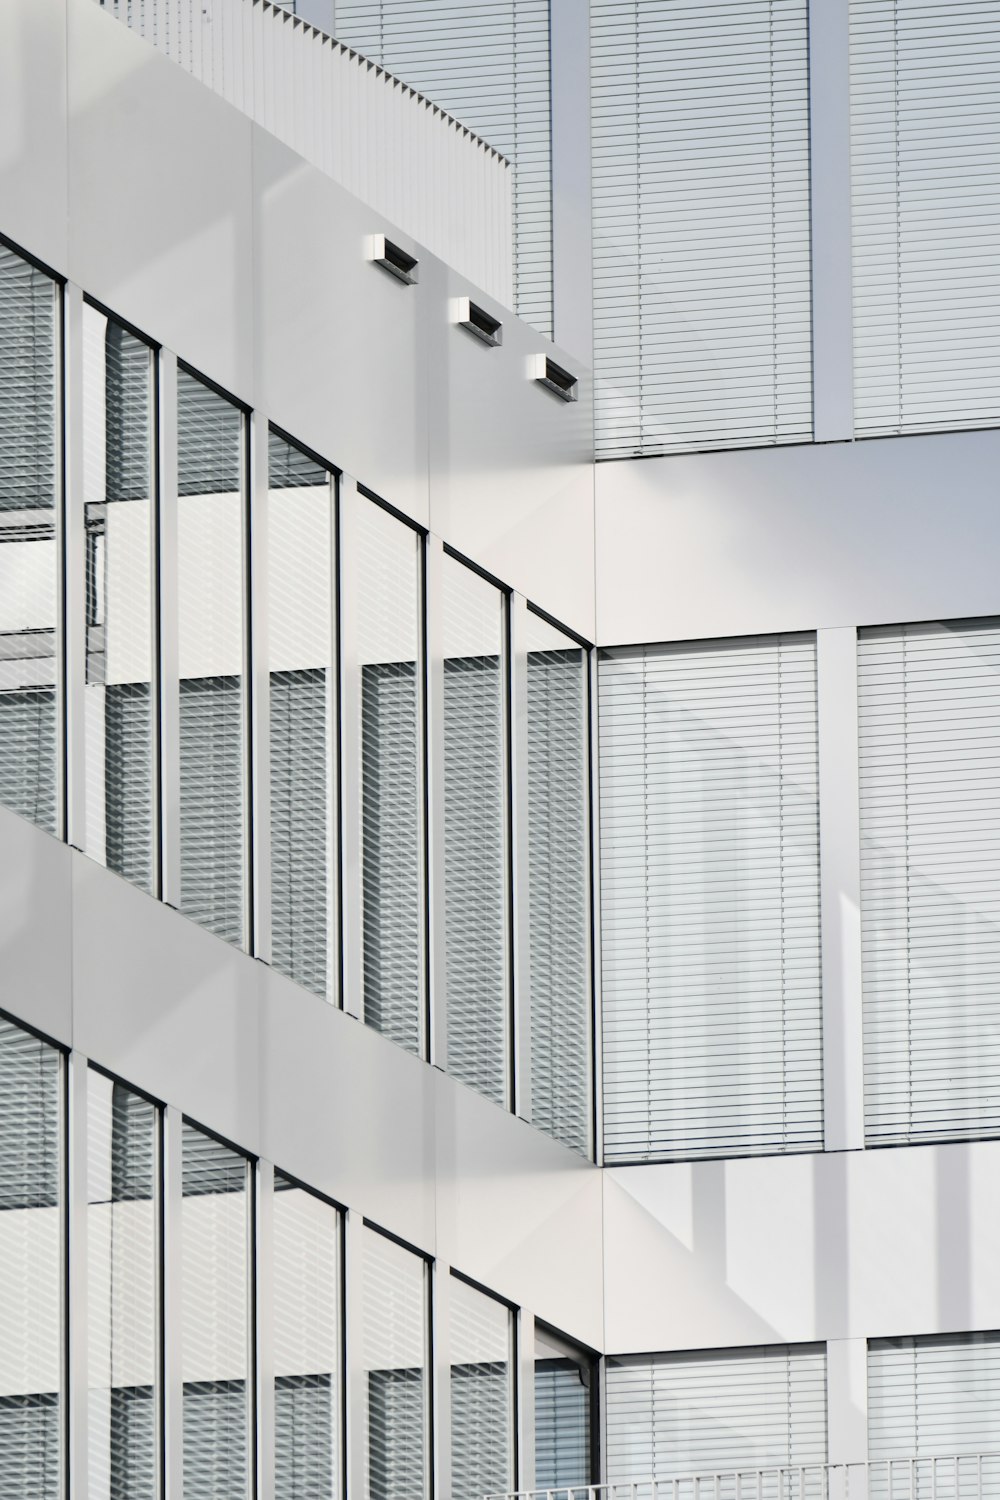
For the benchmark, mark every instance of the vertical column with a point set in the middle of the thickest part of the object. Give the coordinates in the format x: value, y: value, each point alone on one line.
x: 524, y: 1478
x: 595, y: 919
x: 173, y: 1330
x: 263, y: 1246
x: 434, y: 665
x: 520, y: 905
x: 572, y: 235
x: 440, y: 1406
x: 350, y: 767
x: 840, y: 888
x: 356, y: 1382
x: 259, y: 680
x: 830, y: 187
x: 73, y: 604
x: 169, y: 682
x: 78, y: 1376
x: 847, y: 1417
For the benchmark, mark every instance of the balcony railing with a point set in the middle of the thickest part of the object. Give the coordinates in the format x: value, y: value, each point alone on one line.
x: 960, y: 1476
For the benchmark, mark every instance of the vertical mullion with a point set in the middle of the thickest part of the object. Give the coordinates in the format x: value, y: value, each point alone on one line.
x: 437, y: 968
x: 247, y: 486
x: 355, y: 1384
x: 169, y: 675
x: 439, y: 1405
x: 352, y: 771
x: 172, y: 1294
x: 71, y: 799
x: 507, y: 813
x: 522, y: 1476
x: 263, y: 1365
x: 77, y: 1380
x: 259, y: 685
x: 334, y: 792
x: 520, y: 854
x: 423, y: 806
x: 596, y: 1078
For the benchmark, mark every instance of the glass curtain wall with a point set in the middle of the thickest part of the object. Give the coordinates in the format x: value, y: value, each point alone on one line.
x: 558, y: 883
x: 564, y: 1378
x: 215, y: 1288
x: 395, y: 1355
x: 29, y: 554
x: 481, y: 1341
x: 474, y: 734
x: 122, y: 1291
x: 301, y: 566
x: 383, y: 687
x: 118, y: 490
x: 31, y: 1286
x: 307, y: 1461
x: 211, y: 472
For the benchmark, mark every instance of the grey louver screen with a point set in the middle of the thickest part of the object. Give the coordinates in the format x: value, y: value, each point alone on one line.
x: 30, y: 1446
x: 27, y: 754
x: 128, y: 770
x: 710, y: 897
x: 299, y: 775
x: 394, y: 1352
x: 562, y: 1425
x: 211, y: 729
x: 479, y: 1406
x: 395, y: 1434
x: 29, y: 1120
x: 701, y: 225
x: 127, y: 416
x: 210, y: 457
x: 488, y: 65
x: 936, y: 1396
x: 930, y: 762
x: 133, y: 1444
x: 215, y: 1440
x: 304, y: 1438
x: 677, y: 1414
x: 926, y: 214
x: 27, y: 385
x: 558, y: 894
x: 390, y: 721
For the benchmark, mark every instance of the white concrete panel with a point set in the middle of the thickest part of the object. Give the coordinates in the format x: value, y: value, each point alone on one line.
x: 510, y: 472
x: 518, y: 1212
x: 33, y: 147
x: 35, y: 917
x: 797, y: 538
x: 165, y: 1005
x: 159, y: 198
x: 341, y: 344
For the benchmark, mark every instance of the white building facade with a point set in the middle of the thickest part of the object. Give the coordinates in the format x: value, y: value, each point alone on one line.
x: 497, y: 936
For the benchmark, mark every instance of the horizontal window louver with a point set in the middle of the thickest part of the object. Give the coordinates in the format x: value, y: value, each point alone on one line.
x: 710, y: 899
x: 479, y: 1356
x: 27, y: 754
x: 299, y: 836
x: 562, y: 1425
x: 31, y: 1321
x: 394, y: 1350
x: 128, y: 416
x: 700, y: 136
x: 211, y: 761
x: 27, y: 385
x: 926, y: 214
x: 486, y: 62
x: 930, y: 823
x: 304, y: 1451
x: 210, y: 447
x: 675, y: 1414
x: 128, y: 733
x: 558, y: 892
x: 929, y: 1398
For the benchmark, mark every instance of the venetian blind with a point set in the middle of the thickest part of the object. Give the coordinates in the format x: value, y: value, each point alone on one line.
x: 481, y: 1407
x: 486, y: 62
x: 710, y: 898
x: 925, y: 177
x: 394, y: 1350
x: 929, y: 697
x: 700, y: 129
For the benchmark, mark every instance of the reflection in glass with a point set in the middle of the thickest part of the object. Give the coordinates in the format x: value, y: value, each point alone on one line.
x: 210, y: 462
x: 382, y: 631
x: 475, y: 858
x: 28, y: 551
x: 215, y: 1343
x: 31, y: 1203
x: 300, y: 570
x: 118, y: 505
x: 394, y: 1351
x: 306, y: 1345
x: 480, y: 1334
x: 122, y: 1256
x: 558, y: 884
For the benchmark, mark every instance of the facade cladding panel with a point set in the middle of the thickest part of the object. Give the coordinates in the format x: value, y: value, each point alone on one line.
x: 702, y: 309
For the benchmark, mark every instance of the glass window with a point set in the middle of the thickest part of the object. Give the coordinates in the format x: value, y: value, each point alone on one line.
x: 216, y: 1332
x: 306, y: 1344
x: 211, y: 465
x: 480, y: 1331
x: 564, y: 1385
x: 122, y: 1291
x: 31, y: 1245
x: 383, y: 601
x: 118, y: 487
x: 558, y: 883
x: 300, y: 572
x: 28, y: 550
x: 395, y: 1354
x: 475, y: 831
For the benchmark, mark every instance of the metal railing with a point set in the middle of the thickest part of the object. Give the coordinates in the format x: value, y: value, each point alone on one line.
x: 956, y: 1476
